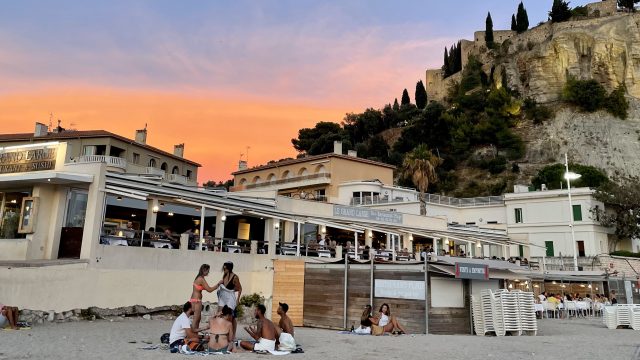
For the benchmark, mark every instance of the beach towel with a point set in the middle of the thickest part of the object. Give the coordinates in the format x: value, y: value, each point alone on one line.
x: 226, y: 297
x: 287, y: 343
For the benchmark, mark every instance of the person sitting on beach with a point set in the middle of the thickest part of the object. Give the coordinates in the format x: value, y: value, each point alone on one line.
x: 365, y: 322
x: 264, y: 333
x: 285, y: 329
x: 386, y: 321
x: 221, y: 332
x: 9, y: 315
x: 181, y: 331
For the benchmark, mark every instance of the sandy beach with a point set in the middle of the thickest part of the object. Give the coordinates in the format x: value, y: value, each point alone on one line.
x: 104, y: 339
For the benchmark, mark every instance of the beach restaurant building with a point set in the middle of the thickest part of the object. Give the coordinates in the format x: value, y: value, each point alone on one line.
x: 95, y: 219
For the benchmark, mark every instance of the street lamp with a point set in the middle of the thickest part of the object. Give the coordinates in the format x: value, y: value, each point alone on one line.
x: 571, y: 176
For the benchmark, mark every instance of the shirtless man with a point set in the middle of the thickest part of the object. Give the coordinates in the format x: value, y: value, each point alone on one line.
x: 285, y: 324
x: 264, y: 333
x: 221, y: 332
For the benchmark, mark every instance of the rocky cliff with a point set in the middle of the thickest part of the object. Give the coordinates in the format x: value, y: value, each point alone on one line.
x: 538, y: 61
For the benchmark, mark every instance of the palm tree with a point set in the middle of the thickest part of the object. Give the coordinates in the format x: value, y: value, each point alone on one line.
x: 420, y: 165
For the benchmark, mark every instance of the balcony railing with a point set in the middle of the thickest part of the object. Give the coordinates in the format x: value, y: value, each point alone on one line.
x: 372, y: 200
x: 177, y: 179
x: 153, y: 171
x: 319, y: 179
x: 464, y: 202
x: 112, y: 161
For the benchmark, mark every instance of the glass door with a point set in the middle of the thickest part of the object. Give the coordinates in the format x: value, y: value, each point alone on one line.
x: 73, y: 225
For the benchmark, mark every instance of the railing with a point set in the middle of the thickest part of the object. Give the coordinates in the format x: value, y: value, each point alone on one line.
x: 323, y: 177
x: 109, y: 160
x: 371, y: 200
x: 565, y: 263
x: 177, y: 179
x: 153, y: 171
x: 464, y: 202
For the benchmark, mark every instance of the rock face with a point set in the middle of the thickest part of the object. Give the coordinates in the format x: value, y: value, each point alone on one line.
x: 597, y: 139
x: 605, y: 49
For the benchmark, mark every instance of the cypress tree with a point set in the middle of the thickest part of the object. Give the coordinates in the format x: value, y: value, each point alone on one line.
x: 421, y: 95
x: 445, y: 67
x: 628, y: 4
x: 405, y: 98
x: 514, y: 24
x: 396, y: 107
x: 452, y: 59
x: 559, y: 11
x: 488, y: 32
x: 458, y: 58
x: 522, y: 19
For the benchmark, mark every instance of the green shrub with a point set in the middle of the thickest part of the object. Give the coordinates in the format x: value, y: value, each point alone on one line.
x: 580, y: 11
x: 625, y: 253
x: 617, y: 104
x: 588, y: 95
x: 251, y: 300
x: 553, y: 175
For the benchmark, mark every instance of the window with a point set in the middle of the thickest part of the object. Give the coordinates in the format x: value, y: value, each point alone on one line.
x: 518, y: 212
x: 549, y: 246
x: 153, y: 163
x: 189, y: 174
x: 597, y: 212
x: 577, y: 212
x: 521, y: 250
x: 136, y: 158
x: 89, y: 150
x: 175, y: 170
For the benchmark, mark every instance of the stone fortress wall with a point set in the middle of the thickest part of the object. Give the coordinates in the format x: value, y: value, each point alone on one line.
x: 437, y: 87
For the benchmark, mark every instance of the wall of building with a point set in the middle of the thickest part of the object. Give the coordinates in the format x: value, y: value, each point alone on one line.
x: 124, y: 276
x: 437, y: 86
x: 603, y: 8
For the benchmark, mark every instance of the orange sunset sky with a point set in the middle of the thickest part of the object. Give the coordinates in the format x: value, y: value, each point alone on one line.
x: 221, y: 76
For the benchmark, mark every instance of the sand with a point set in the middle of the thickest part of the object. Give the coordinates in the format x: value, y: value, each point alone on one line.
x: 103, y: 339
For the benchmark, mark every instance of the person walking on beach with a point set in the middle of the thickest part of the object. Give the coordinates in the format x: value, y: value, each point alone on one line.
x: 229, y: 291
x: 264, y: 333
x: 200, y: 284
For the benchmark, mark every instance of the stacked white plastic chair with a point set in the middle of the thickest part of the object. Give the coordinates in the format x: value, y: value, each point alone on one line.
x: 635, y: 317
x: 503, y: 312
x: 609, y: 317
x: 623, y: 318
x: 527, y: 311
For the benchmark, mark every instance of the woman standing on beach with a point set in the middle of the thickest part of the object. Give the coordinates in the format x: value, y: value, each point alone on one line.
x: 229, y: 291
x: 200, y: 284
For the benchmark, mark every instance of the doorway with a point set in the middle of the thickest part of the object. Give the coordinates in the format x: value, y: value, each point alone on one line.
x: 581, y: 252
x: 73, y: 225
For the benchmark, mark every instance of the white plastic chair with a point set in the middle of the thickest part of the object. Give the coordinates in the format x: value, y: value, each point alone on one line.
x: 548, y: 306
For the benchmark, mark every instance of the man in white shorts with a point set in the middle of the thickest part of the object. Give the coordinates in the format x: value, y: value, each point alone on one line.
x: 264, y: 333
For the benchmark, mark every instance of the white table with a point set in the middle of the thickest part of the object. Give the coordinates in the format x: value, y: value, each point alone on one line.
x: 324, y: 253
x: 117, y: 241
x: 288, y: 250
x: 234, y: 248
x: 161, y: 244
x: 539, y: 307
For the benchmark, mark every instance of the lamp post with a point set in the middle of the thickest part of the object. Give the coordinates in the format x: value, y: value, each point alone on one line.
x: 571, y: 176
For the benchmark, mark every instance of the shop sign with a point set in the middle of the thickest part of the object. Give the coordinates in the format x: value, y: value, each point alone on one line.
x: 472, y: 271
x: 391, y: 217
x: 399, y: 289
x: 28, y: 159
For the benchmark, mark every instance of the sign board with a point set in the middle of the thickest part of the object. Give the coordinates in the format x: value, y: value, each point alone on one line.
x: 399, y: 289
x: 358, y: 213
x: 28, y: 159
x: 472, y: 271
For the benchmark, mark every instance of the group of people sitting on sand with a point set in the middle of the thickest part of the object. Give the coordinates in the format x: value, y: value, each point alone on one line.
x: 379, y: 324
x: 219, y: 335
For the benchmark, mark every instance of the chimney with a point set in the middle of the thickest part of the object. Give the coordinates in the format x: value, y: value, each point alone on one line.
x: 352, y: 153
x: 141, y: 136
x: 41, y: 130
x: 242, y: 165
x: 337, y: 147
x: 178, y: 150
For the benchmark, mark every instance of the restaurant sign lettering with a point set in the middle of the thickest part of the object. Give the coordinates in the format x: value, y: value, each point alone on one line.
x: 472, y: 271
x: 367, y: 214
x: 18, y: 160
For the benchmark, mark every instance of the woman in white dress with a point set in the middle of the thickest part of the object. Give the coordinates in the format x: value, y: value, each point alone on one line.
x: 386, y: 321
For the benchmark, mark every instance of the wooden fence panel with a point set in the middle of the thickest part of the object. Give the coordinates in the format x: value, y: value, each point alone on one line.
x: 288, y: 287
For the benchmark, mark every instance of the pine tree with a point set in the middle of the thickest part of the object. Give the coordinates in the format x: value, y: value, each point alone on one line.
x: 405, y: 98
x: 628, y: 4
x: 396, y: 107
x: 421, y: 95
x: 445, y: 67
x: 488, y: 32
x: 514, y: 24
x: 559, y: 11
x: 522, y: 19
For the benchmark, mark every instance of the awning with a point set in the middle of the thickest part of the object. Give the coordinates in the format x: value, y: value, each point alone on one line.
x: 45, y: 177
